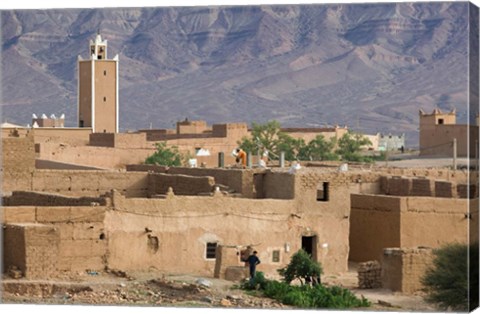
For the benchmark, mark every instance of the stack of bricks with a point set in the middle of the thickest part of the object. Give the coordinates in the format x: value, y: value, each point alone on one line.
x: 467, y: 191
x: 399, y: 186
x: 369, y: 275
x: 445, y: 189
x: 422, y: 187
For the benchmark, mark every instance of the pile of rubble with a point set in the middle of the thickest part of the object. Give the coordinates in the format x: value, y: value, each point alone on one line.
x: 129, y: 291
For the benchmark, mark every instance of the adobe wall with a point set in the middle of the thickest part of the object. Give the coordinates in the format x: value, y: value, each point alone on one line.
x: 32, y: 249
x: 89, y: 182
x: 18, y: 161
x: 374, y: 225
x: 119, y: 140
x: 403, y: 268
x: 183, y: 225
x: 99, y: 157
x: 404, y: 222
x: 159, y: 183
x: 70, y: 136
x: 64, y: 238
x: 423, y: 186
x: 277, y: 185
x: 23, y: 198
x: 437, y: 140
x: 433, y: 221
x: 239, y: 180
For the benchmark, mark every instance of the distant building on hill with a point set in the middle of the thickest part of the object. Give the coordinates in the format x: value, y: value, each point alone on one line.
x: 438, y: 131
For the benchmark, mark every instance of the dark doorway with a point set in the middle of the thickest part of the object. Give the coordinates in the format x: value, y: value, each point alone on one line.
x: 309, y: 245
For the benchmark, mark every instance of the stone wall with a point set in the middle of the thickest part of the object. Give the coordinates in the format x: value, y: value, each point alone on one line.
x: 403, y: 268
x: 32, y: 249
x: 369, y: 275
x: 72, y: 238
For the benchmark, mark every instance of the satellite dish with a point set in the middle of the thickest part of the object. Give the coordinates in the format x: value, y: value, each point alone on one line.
x: 52, y: 116
x: 44, y: 116
x: 34, y: 116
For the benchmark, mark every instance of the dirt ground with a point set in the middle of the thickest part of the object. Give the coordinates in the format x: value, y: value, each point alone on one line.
x: 168, y: 290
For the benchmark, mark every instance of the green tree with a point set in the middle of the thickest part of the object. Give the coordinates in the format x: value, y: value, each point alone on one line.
x: 301, y: 266
x: 447, y: 280
x: 319, y: 149
x: 270, y: 137
x: 349, y: 146
x: 165, y: 156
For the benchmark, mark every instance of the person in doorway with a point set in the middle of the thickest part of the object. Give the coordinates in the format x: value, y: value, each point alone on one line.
x: 241, y: 157
x: 253, y: 261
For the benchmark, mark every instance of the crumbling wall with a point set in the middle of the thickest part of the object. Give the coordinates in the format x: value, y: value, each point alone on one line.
x: 72, y: 238
x: 32, y: 249
x: 159, y: 183
x: 403, y: 268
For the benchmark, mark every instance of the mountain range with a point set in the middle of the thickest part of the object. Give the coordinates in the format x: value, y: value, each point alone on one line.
x: 368, y: 66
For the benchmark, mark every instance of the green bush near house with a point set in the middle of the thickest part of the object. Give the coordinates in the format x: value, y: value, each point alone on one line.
x: 452, y: 280
x: 304, y: 296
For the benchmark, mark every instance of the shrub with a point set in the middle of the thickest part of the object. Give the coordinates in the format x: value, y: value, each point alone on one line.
x: 313, y: 297
x: 258, y: 282
x: 165, y: 156
x: 301, y: 266
x: 447, y: 280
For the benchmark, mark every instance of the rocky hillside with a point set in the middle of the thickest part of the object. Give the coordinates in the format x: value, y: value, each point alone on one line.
x: 370, y: 66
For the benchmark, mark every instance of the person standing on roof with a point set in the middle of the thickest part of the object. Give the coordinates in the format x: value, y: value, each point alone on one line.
x: 242, y: 157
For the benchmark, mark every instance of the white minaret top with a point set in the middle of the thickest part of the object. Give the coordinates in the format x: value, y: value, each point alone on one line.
x: 98, y: 48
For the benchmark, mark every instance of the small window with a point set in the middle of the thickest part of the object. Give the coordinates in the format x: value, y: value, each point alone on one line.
x: 105, y: 73
x: 104, y: 99
x: 322, y: 192
x: 440, y: 121
x: 99, y: 57
x: 211, y: 249
x: 276, y: 256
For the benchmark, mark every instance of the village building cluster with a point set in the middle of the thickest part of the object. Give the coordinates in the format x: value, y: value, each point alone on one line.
x: 77, y: 199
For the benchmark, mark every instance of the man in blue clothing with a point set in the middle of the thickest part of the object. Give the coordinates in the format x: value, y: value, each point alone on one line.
x: 253, y: 261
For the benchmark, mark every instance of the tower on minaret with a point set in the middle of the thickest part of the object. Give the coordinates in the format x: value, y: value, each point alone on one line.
x: 98, y: 89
